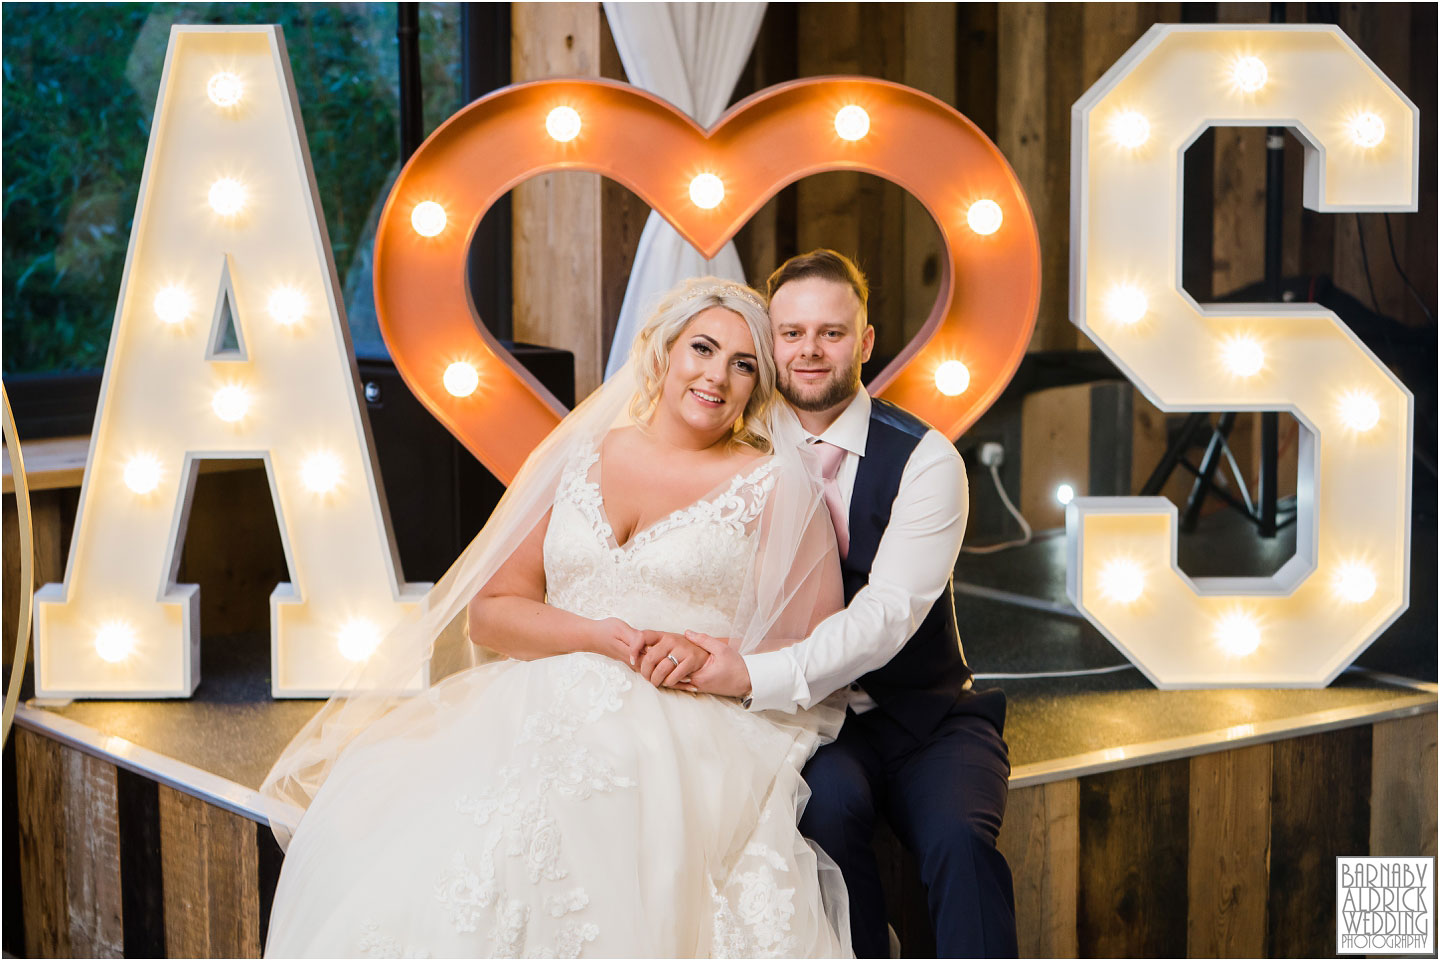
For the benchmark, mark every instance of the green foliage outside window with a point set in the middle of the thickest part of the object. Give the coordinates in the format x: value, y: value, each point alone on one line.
x: 80, y: 85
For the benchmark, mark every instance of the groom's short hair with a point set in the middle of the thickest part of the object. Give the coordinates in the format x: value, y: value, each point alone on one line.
x: 828, y: 265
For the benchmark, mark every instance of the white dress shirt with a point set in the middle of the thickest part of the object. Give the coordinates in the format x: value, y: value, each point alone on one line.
x: 912, y: 565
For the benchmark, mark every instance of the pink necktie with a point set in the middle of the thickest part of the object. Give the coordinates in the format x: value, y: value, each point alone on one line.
x: 830, y: 458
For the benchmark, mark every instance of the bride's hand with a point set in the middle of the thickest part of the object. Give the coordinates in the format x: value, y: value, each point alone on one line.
x: 614, y: 638
x: 670, y: 659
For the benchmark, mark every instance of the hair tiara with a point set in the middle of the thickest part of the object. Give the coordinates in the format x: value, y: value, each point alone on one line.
x: 734, y: 289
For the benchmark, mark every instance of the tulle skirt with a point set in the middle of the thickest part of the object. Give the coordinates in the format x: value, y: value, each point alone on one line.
x: 562, y: 808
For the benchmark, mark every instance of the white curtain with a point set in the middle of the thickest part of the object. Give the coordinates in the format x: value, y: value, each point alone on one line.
x: 691, y: 54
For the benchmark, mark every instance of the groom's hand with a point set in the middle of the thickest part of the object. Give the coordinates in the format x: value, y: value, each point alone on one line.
x: 724, y: 673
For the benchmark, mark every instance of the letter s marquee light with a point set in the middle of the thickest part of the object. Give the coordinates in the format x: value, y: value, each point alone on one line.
x: 1349, y: 578
x: 707, y: 184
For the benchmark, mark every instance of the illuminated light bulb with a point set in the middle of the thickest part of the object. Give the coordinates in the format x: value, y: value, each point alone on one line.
x: 1129, y: 129
x: 287, y: 306
x: 231, y: 403
x: 563, y: 124
x: 1355, y: 582
x: 952, y: 378
x: 428, y: 218
x: 114, y: 641
x: 1238, y: 634
x: 172, y: 305
x: 1126, y: 304
x: 1359, y: 411
x: 1064, y: 494
x: 461, y: 379
x: 1249, y: 74
x: 1122, y: 581
x: 1244, y: 356
x: 142, y: 473
x: 227, y: 196
x: 1367, y: 129
x: 706, y: 191
x: 984, y: 217
x: 321, y: 472
x: 224, y: 89
x: 357, y: 640
x: 852, y: 122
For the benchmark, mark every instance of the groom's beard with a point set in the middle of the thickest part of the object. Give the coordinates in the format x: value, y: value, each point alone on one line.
x: 843, y: 384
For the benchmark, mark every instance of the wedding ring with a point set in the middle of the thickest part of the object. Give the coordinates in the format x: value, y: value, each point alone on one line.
x: 673, y: 658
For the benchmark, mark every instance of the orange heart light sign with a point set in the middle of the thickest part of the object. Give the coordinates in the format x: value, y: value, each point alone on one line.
x: 707, y: 184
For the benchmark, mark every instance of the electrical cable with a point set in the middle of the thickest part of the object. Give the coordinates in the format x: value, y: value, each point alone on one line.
x: 1390, y: 238
x: 1084, y: 673
x: 1024, y: 524
x: 1365, y: 261
x: 1235, y: 472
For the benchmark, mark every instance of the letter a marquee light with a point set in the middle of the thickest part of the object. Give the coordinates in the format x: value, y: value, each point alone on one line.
x: 1349, y: 578
x: 227, y: 225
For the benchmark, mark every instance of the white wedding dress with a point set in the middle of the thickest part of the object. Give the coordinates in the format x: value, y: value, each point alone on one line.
x: 564, y: 807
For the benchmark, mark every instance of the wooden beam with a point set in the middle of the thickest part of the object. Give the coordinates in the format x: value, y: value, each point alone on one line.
x: 1229, y: 859
x: 40, y: 793
x: 1041, y: 840
x: 1402, y: 787
x: 92, y: 857
x: 211, y: 879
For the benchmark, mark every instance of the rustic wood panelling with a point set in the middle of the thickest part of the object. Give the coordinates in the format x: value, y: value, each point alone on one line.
x: 1229, y: 857
x: 40, y: 790
x: 1041, y: 839
x: 211, y: 879
x: 92, y: 857
x: 1402, y: 787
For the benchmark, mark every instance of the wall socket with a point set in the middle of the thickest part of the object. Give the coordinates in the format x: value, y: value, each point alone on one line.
x: 992, y: 454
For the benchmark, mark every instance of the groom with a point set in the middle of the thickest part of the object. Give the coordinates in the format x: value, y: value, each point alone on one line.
x: 918, y: 744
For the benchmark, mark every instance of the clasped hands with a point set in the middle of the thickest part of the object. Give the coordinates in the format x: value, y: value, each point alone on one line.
x: 692, y: 662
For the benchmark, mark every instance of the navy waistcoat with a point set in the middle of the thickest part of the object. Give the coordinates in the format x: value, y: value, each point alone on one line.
x: 920, y: 684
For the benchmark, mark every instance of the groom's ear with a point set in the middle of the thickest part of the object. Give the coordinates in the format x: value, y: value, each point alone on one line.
x: 867, y: 342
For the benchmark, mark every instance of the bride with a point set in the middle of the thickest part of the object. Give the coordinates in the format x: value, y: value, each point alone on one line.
x: 553, y: 802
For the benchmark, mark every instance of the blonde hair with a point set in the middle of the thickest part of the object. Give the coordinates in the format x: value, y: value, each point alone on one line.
x: 651, y: 353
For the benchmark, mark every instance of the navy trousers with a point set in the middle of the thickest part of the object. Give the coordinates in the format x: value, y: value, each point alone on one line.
x: 944, y: 797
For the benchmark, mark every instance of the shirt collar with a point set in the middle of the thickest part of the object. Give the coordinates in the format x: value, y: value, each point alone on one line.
x: 852, y: 428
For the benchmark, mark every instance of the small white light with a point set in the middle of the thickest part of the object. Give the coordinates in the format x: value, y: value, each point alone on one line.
x: 287, y: 306
x: 1237, y: 633
x: 563, y: 124
x: 172, y: 305
x: 227, y: 196
x: 224, y: 89
x: 1249, y: 74
x: 1243, y: 355
x: 1122, y: 581
x: 321, y: 472
x: 231, y: 403
x: 952, y: 378
x: 1355, y: 582
x: 1129, y: 129
x: 1359, y: 411
x: 1367, y: 129
x: 461, y: 379
x: 114, y: 641
x: 706, y: 191
x: 1126, y: 304
x: 1064, y: 494
x: 428, y: 218
x: 852, y: 122
x: 142, y: 473
x: 357, y: 640
x: 984, y: 217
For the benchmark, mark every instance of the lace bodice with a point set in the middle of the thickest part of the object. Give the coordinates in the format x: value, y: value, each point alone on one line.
x: 687, y: 571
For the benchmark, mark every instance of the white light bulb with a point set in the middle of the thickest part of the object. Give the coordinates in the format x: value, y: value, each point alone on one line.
x: 461, y: 379
x: 563, y: 124
x: 952, y: 378
x: 1355, y: 582
x: 1129, y: 129
x: 1359, y: 411
x: 224, y: 89
x: 428, y: 218
x: 114, y: 641
x: 357, y: 640
x: 706, y: 191
x: 1122, y: 581
x: 852, y: 122
x: 1244, y: 356
x: 227, y: 196
x: 1237, y: 634
x: 1064, y: 494
x: 1249, y: 74
x: 142, y: 473
x: 1367, y: 129
x: 287, y: 306
x: 984, y: 217
x: 172, y: 305
x: 231, y: 403
x: 321, y: 472
x: 1126, y: 304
